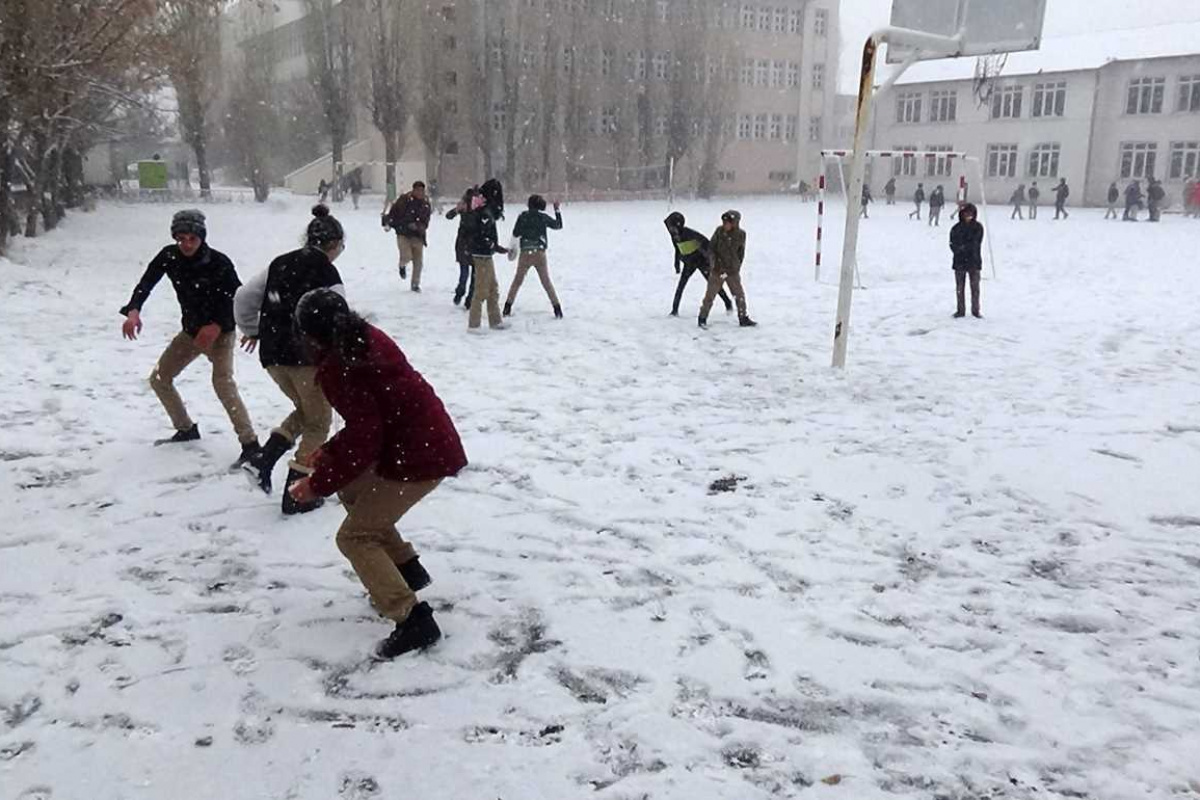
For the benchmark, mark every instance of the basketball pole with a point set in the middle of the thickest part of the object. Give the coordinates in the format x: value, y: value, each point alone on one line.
x: 858, y: 163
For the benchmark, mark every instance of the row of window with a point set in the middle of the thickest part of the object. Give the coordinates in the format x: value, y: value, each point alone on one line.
x: 934, y: 166
x: 778, y: 20
x: 747, y: 17
x: 774, y: 126
x: 1147, y: 95
x: 1137, y: 160
x: 1048, y: 99
x: 786, y: 177
x: 778, y: 74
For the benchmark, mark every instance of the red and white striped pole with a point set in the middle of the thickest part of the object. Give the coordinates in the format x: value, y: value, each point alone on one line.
x: 820, y: 217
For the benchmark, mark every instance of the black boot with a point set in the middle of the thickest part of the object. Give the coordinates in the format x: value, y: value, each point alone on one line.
x: 290, y: 506
x: 403, y: 272
x: 258, y: 468
x: 558, y: 312
x: 702, y: 322
x: 249, y: 451
x: 415, y: 633
x: 746, y: 322
x: 414, y: 574
x: 458, y: 296
x: 191, y: 434
x: 508, y: 309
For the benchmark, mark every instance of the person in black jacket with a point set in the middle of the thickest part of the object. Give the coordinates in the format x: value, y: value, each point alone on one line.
x: 889, y: 191
x: 205, y: 282
x: 1017, y: 200
x: 1155, y: 195
x: 867, y: 199
x: 937, y: 200
x: 483, y: 241
x: 462, y: 249
x: 1034, y: 195
x: 966, y: 242
x: 1133, y: 201
x: 533, y: 241
x: 1061, y: 193
x: 265, y: 308
x: 1114, y: 196
x: 918, y: 199
x: 693, y: 252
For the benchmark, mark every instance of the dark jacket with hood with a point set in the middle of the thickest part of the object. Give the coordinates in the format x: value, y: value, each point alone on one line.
x: 482, y: 238
x: 205, y: 285
x: 966, y: 242
x: 266, y: 305
x: 531, y: 229
x: 937, y: 199
x: 691, y: 247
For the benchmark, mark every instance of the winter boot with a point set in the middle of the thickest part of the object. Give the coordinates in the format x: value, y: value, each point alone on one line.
x: 558, y: 312
x: 414, y: 574
x: 415, y: 633
x: 458, y: 296
x: 746, y: 322
x: 249, y: 451
x: 403, y: 272
x: 259, y: 467
x: 191, y: 434
x: 508, y: 309
x: 702, y: 321
x: 290, y: 506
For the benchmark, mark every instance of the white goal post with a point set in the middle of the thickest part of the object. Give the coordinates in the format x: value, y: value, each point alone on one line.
x: 904, y: 155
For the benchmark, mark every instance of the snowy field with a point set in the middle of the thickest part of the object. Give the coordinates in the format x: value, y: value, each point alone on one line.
x: 968, y: 567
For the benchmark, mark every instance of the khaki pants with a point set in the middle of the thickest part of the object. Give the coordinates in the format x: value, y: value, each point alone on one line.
x: 311, y: 420
x: 537, y: 260
x: 486, y: 291
x: 369, y: 540
x: 412, y: 251
x: 181, y: 352
x: 716, y: 279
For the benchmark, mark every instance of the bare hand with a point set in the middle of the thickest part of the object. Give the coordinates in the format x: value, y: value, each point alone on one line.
x: 207, y: 336
x: 302, y: 491
x: 557, y: 205
x: 132, y: 325
x: 249, y: 343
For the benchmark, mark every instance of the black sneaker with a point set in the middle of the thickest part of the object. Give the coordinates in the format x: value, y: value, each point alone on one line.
x: 249, y: 450
x: 191, y: 434
x: 959, y: 314
x: 417, y: 289
x: 404, y: 273
x: 508, y: 309
x: 457, y: 298
x: 558, y: 312
x: 290, y: 506
x: 702, y: 322
x: 415, y: 633
x: 746, y: 322
x: 976, y: 315
x: 414, y: 574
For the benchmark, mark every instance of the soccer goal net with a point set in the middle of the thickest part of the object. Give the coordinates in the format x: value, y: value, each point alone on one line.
x: 586, y: 181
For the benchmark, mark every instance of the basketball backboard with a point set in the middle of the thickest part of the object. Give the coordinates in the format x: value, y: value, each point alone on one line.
x: 990, y: 26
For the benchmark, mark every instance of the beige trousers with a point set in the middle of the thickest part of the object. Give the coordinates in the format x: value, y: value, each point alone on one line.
x: 181, y: 352
x: 311, y: 420
x: 715, y: 279
x: 486, y: 291
x: 537, y: 260
x: 412, y: 251
x: 369, y: 540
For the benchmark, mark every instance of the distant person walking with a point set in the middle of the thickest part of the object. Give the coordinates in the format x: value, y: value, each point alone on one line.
x: 1061, y: 193
x: 729, y: 252
x: 1133, y: 201
x: 918, y: 200
x: 1196, y: 199
x: 409, y: 218
x: 1155, y: 195
x: 937, y: 201
x: 1114, y: 197
x: 1017, y: 200
x: 1189, y: 189
x: 866, y: 201
x: 966, y: 242
x: 889, y: 191
x: 530, y: 232
x: 1034, y: 194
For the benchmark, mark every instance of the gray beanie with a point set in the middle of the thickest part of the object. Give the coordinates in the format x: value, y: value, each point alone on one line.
x: 189, y: 220
x: 324, y: 228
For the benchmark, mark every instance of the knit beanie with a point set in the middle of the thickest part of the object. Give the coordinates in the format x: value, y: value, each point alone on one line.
x: 324, y: 227
x: 189, y: 220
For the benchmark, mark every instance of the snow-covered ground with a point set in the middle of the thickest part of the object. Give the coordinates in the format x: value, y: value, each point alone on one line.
x: 967, y: 567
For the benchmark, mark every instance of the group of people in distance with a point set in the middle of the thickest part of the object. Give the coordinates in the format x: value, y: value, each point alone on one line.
x: 1021, y: 199
x: 398, y: 443
x: 1152, y: 199
x: 476, y: 245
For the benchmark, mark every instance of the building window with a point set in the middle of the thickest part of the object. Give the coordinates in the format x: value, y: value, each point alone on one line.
x: 452, y: 78
x: 820, y: 22
x: 745, y: 126
x: 661, y: 63
x: 814, y: 129
x: 450, y: 43
x: 777, y: 126
x: 906, y: 165
x: 1049, y: 99
x: 943, y: 106
x: 818, y: 76
x: 1185, y: 160
x: 764, y: 19
x: 1043, y: 161
x: 791, y: 127
x: 760, y: 126
x: 793, y: 75
x: 939, y: 166
x: 762, y: 72
x: 568, y: 60
x: 1006, y: 103
x: 639, y: 65
x: 660, y: 125
x: 908, y: 107
x: 664, y: 10
x: 1002, y: 161
x: 1189, y: 94
x: 1145, y: 96
x: 448, y: 13
x: 747, y: 18
x: 608, y: 119
x: 529, y: 59
x: 747, y: 75
x: 1138, y: 159
x: 795, y: 22
x: 779, y: 18
x: 777, y: 68
x: 451, y: 107
x: 499, y: 117
x: 782, y: 176
x: 606, y: 61
x: 451, y: 148
x: 726, y: 175
x: 496, y: 54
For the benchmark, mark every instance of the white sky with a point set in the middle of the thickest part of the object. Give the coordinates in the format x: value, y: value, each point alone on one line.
x: 860, y: 17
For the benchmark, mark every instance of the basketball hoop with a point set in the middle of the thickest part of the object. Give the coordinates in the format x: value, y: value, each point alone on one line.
x: 987, y: 71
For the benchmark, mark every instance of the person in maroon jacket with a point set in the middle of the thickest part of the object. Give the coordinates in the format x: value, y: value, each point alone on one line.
x: 397, y: 446
x: 409, y: 218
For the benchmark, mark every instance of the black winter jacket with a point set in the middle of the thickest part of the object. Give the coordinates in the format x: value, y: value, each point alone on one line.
x: 205, y: 285
x: 691, y: 248
x: 482, y: 237
x: 266, y: 305
x: 966, y: 242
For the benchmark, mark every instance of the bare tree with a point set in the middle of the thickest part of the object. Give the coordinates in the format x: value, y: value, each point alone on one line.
x: 715, y: 107
x: 385, y: 24
x: 330, y: 61
x: 252, y: 125
x: 194, y: 31
x: 693, y: 70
